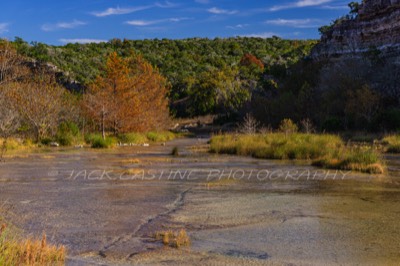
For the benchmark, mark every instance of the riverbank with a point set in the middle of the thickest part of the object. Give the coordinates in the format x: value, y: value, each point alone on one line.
x: 105, y: 207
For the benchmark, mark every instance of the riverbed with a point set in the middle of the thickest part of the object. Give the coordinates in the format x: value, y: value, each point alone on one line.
x: 106, y: 206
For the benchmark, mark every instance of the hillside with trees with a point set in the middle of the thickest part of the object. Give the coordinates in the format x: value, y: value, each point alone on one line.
x: 205, y: 76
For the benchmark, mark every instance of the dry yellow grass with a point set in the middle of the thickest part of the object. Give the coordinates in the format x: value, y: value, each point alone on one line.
x: 173, y: 239
x: 28, y: 252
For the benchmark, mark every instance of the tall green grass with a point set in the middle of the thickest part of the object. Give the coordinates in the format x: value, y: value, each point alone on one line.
x: 324, y: 150
x: 152, y: 136
x: 97, y: 142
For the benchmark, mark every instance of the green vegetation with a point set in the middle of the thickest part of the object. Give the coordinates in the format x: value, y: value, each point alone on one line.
x: 135, y: 138
x: 68, y: 134
x: 98, y: 142
x: 14, y: 251
x: 198, y: 70
x: 327, y: 151
x: 164, y: 136
x: 152, y: 136
x: 356, y: 159
x: 393, y: 143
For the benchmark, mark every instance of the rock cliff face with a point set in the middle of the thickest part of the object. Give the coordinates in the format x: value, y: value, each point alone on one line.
x: 375, y: 27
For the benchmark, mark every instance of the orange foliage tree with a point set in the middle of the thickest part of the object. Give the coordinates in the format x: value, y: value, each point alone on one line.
x: 129, y: 96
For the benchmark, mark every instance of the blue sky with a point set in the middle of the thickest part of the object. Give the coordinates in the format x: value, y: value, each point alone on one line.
x: 58, y: 22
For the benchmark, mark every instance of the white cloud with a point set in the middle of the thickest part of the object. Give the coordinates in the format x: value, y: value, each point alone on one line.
x: 63, y: 25
x: 118, y: 11
x: 218, y: 11
x: 143, y: 23
x: 295, y: 23
x: 263, y: 35
x: 299, y: 4
x: 166, y: 4
x: 65, y: 41
x: 3, y: 28
x: 238, y: 26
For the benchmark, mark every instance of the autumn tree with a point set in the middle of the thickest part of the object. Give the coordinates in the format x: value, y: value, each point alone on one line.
x: 38, y: 99
x: 11, y: 67
x: 130, y: 95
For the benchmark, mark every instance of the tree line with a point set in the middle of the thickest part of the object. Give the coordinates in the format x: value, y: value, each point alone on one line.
x: 127, y: 95
x: 202, y: 74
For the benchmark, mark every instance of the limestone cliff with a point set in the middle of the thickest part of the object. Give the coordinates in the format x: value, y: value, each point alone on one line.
x: 375, y: 27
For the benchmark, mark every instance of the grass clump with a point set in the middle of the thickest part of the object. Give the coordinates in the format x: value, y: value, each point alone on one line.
x: 277, y: 145
x: 328, y: 151
x: 68, y: 134
x: 135, y: 138
x: 161, y: 136
x: 152, y: 136
x: 393, y: 143
x: 97, y: 142
x: 364, y: 160
x: 173, y: 239
x: 28, y: 252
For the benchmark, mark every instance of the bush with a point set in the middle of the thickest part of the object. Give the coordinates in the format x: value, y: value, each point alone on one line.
x: 100, y: 143
x: 67, y: 134
x: 96, y: 141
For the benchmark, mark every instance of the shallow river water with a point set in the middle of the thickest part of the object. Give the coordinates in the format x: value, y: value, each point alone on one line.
x: 105, y: 207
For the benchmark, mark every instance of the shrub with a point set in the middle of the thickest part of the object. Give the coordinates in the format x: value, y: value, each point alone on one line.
x: 100, y: 143
x: 96, y: 141
x: 287, y: 126
x: 249, y: 125
x: 67, y: 134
